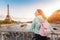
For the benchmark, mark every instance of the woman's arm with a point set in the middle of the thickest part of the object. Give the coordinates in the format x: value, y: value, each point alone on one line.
x: 31, y: 29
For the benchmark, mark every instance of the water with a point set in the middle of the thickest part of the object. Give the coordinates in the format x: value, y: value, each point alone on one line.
x: 16, y: 27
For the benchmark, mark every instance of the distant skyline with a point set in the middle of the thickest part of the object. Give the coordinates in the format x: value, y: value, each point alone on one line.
x: 27, y: 8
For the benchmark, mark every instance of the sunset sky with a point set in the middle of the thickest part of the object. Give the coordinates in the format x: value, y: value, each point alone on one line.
x: 26, y: 8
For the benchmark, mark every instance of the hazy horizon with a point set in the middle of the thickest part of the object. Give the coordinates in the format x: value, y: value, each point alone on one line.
x: 26, y: 8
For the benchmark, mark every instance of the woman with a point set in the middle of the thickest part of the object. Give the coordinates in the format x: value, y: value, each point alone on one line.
x: 36, y: 24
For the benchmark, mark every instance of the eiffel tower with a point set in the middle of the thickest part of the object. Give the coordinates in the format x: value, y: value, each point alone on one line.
x: 8, y: 17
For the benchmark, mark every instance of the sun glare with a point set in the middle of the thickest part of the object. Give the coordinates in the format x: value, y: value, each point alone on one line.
x: 49, y: 12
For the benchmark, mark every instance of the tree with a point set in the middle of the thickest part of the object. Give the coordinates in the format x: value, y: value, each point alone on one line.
x: 55, y: 17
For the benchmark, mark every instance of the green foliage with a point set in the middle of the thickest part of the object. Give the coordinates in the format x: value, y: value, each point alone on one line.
x: 7, y: 21
x: 14, y: 21
x: 1, y: 21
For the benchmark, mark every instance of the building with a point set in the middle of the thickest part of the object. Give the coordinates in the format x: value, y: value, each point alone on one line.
x: 8, y: 17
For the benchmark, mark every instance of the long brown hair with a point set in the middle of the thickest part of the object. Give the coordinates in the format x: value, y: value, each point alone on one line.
x: 40, y: 12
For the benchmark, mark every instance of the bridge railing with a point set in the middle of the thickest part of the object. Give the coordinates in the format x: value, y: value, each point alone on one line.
x: 16, y: 36
x: 55, y: 36
x: 24, y: 35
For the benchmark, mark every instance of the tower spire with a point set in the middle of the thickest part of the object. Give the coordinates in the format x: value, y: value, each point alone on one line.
x: 8, y: 17
x: 8, y: 9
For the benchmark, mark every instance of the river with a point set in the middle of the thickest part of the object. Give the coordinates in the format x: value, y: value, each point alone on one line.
x: 16, y: 27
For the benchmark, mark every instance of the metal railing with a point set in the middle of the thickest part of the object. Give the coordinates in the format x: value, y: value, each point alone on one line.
x: 16, y: 36
x: 24, y: 36
x: 55, y: 36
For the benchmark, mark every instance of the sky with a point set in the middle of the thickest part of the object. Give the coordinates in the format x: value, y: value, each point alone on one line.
x: 25, y: 9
